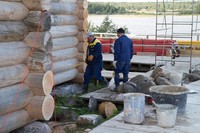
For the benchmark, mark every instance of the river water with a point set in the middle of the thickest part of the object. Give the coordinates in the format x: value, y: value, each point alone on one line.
x: 146, y: 25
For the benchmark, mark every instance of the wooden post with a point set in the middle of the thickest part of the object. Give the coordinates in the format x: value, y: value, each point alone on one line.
x: 82, y: 14
x: 81, y: 36
x: 83, y: 25
x: 82, y: 4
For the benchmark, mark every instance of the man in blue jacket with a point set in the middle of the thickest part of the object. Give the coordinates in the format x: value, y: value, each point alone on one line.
x: 94, y: 61
x: 123, y: 52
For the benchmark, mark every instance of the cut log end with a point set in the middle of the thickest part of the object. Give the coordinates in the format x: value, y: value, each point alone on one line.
x: 48, y: 82
x: 48, y: 107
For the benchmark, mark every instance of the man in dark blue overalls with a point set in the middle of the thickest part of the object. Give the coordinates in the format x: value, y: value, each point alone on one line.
x: 123, y: 52
x: 94, y: 61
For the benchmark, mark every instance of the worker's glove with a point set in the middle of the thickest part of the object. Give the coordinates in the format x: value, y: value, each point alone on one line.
x: 114, y: 63
x: 90, y: 58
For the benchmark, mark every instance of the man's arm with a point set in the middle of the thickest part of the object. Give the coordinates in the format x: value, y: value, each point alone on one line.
x: 116, y: 49
x: 98, y: 50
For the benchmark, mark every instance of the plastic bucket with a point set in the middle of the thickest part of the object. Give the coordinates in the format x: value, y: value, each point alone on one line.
x: 170, y: 94
x: 134, y: 108
x: 166, y: 115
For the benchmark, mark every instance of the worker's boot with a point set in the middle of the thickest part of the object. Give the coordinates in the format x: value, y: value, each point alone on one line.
x: 85, y: 88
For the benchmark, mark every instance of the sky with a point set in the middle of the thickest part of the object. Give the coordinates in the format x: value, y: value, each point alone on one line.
x: 122, y: 0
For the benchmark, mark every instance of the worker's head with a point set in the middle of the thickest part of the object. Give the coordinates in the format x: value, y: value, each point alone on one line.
x: 120, y: 32
x: 90, y: 36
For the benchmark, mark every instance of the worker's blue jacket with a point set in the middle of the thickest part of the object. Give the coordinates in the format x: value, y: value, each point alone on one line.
x: 94, y: 48
x: 123, y: 49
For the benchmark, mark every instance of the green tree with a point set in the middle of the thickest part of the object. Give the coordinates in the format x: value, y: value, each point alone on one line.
x: 107, y: 26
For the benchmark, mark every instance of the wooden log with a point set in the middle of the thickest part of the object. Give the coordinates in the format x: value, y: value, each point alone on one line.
x: 12, y: 74
x: 64, y: 54
x: 41, y: 107
x: 65, y: 76
x: 12, y: 31
x: 82, y: 14
x: 82, y: 36
x: 81, y: 68
x: 63, y: 9
x: 38, y: 21
x: 11, y: 0
x: 37, y: 5
x: 14, y: 97
x: 82, y: 4
x: 83, y: 25
x: 39, y: 62
x: 14, y: 120
x: 40, y: 83
x: 82, y: 47
x: 78, y: 78
x: 81, y: 57
x: 12, y: 11
x: 65, y: 65
x: 65, y: 42
x: 39, y: 40
x: 57, y: 20
x: 63, y: 31
x: 12, y: 53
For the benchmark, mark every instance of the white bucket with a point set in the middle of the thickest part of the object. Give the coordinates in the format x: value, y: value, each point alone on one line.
x: 134, y: 108
x: 166, y: 115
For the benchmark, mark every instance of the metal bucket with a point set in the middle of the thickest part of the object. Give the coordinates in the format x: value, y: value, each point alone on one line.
x: 134, y: 108
x: 166, y: 115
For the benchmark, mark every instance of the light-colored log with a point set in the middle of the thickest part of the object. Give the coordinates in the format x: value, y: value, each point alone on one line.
x: 14, y: 120
x: 83, y: 25
x: 12, y: 74
x: 64, y: 1
x: 64, y: 9
x: 82, y: 4
x: 78, y: 78
x: 64, y: 54
x: 39, y: 40
x: 41, y: 107
x: 82, y: 47
x: 11, y: 0
x: 65, y: 65
x: 12, y: 53
x: 63, y: 31
x: 12, y: 31
x: 37, y: 5
x: 14, y: 97
x: 39, y: 62
x: 38, y: 21
x: 57, y: 20
x: 65, y: 42
x: 40, y: 83
x: 82, y: 14
x: 82, y: 36
x: 65, y: 76
x: 81, y: 67
x: 81, y: 57
x: 12, y: 11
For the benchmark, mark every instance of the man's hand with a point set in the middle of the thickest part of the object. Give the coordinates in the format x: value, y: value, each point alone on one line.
x: 114, y: 63
x: 90, y: 58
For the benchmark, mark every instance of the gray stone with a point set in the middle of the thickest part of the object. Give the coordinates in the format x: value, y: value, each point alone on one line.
x: 34, y: 127
x: 127, y: 87
x: 196, y: 72
x: 92, y: 105
x: 90, y: 119
x: 162, y: 81
x: 190, y: 77
x: 142, y: 83
x: 156, y: 71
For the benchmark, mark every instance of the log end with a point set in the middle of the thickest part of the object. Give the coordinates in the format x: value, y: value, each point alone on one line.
x: 48, y: 107
x: 48, y: 82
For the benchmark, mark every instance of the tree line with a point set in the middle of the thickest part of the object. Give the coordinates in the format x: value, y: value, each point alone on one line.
x: 142, y: 7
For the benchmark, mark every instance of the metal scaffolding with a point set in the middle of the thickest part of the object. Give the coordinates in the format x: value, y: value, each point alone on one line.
x: 171, y: 26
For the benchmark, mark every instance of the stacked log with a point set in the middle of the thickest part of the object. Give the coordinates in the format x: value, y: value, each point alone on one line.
x: 82, y: 45
x: 64, y: 32
x: 24, y: 92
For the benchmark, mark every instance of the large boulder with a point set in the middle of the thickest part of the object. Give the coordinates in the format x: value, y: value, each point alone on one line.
x: 90, y: 119
x: 127, y: 87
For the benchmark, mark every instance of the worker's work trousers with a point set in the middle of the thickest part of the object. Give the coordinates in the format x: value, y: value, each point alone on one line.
x: 93, y: 70
x: 121, y: 67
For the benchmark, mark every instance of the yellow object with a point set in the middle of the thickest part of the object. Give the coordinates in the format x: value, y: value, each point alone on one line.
x: 188, y: 43
x: 90, y: 58
x: 94, y: 43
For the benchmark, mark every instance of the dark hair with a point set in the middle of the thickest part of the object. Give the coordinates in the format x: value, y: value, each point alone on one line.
x: 120, y: 30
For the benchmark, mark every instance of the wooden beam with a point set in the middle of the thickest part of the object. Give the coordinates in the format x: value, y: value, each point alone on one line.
x: 82, y: 14
x: 82, y: 4
x: 63, y: 9
x: 57, y: 20
x: 63, y: 31
x: 37, y: 5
